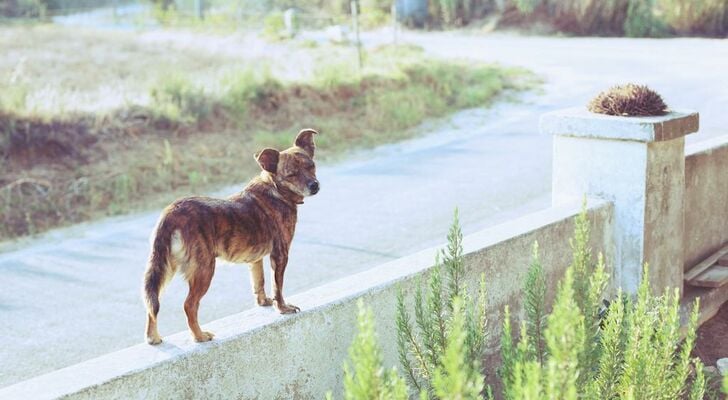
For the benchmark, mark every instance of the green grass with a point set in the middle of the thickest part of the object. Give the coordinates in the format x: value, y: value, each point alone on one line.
x: 192, y: 137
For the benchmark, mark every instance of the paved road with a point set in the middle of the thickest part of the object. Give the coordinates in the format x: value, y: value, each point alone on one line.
x: 74, y: 293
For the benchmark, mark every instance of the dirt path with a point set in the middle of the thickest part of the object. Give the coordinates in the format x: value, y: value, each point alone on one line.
x: 74, y: 294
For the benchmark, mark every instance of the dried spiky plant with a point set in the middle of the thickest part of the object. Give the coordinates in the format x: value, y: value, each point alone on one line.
x: 628, y: 100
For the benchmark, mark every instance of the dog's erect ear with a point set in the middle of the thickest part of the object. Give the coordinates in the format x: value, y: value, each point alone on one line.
x: 304, y: 140
x: 268, y: 160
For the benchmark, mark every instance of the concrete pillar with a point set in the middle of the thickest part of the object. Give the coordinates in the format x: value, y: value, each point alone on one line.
x: 638, y: 163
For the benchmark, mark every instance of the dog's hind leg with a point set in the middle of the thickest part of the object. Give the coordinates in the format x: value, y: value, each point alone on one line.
x: 159, y: 269
x: 257, y: 281
x: 152, y: 285
x: 199, y: 283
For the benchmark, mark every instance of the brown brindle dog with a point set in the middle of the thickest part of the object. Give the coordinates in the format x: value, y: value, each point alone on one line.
x: 248, y: 226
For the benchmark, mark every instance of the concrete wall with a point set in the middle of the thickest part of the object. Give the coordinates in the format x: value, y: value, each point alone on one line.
x: 259, y: 354
x: 706, y: 199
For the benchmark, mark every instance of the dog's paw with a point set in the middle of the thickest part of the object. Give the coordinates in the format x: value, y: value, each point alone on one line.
x: 204, y: 337
x: 154, y: 340
x: 287, y: 308
x: 264, y: 302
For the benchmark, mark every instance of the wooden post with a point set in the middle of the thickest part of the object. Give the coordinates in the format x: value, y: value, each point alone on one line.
x: 355, y: 19
x: 116, y: 12
x: 239, y: 14
x: 394, y: 22
x: 199, y: 9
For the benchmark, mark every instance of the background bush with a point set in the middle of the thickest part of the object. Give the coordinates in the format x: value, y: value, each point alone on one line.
x: 636, y: 18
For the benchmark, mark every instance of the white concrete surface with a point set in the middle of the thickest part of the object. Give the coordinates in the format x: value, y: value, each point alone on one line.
x: 639, y: 164
x: 578, y: 122
x: 259, y: 354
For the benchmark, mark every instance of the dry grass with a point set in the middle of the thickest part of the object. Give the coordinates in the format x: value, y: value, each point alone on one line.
x: 165, y: 133
x: 628, y: 100
x: 72, y: 69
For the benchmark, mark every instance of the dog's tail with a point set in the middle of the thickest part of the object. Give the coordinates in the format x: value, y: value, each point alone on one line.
x: 158, y: 267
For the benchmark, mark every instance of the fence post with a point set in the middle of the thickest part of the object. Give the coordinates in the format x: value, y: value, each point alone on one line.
x: 638, y: 163
x: 355, y: 20
x: 115, y: 6
x: 200, y: 9
x: 394, y: 22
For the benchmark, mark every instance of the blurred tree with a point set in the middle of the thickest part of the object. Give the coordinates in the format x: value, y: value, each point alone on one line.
x: 22, y: 8
x: 163, y: 5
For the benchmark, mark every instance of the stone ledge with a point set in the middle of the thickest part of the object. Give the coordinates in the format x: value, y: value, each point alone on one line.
x: 259, y: 354
x: 707, y: 146
x: 578, y: 122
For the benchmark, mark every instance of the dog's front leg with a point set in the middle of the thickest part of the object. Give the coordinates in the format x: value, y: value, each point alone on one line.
x: 257, y: 280
x: 278, y: 261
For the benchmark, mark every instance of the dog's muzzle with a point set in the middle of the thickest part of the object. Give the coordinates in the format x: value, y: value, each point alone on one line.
x: 313, y: 187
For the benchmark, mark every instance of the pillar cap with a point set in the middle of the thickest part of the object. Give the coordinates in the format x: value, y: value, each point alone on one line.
x: 579, y: 122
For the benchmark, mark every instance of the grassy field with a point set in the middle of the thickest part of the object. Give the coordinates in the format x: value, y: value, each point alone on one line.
x: 96, y: 124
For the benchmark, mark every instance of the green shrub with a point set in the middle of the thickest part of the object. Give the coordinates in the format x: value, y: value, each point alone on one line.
x: 641, y: 20
x: 177, y: 98
x: 535, y: 308
x: 364, y: 375
x: 14, y: 97
x: 249, y: 87
x: 635, y: 351
x: 526, y: 6
x: 274, y: 26
x: 631, y: 350
x: 459, y: 376
x: 331, y: 75
x: 424, y: 352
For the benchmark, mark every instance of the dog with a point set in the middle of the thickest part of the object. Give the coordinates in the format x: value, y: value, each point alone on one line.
x: 259, y: 221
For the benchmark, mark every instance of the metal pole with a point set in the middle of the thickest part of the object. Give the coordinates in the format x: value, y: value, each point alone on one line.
x: 355, y: 18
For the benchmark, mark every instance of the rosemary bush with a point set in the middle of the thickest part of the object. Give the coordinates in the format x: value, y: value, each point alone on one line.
x: 456, y: 377
x: 441, y: 355
x: 631, y: 350
x: 364, y: 375
x: 421, y: 345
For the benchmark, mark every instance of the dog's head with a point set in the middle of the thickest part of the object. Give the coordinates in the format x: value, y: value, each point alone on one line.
x: 293, y: 169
